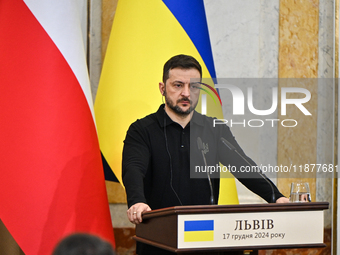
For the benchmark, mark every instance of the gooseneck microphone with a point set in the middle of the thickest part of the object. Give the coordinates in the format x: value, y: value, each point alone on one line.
x: 232, y: 148
x: 201, y: 148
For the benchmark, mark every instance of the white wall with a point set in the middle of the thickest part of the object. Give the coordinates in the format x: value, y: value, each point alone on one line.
x: 244, y: 38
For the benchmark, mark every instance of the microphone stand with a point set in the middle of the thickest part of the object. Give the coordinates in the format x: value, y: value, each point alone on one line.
x: 200, y: 147
x: 232, y: 148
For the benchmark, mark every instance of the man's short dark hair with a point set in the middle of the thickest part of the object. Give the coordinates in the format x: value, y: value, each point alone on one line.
x: 180, y: 61
x: 83, y: 244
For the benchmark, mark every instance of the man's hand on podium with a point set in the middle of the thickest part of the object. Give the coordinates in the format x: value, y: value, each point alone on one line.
x: 134, y: 213
x: 282, y: 200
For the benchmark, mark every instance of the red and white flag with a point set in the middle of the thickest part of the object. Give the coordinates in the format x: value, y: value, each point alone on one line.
x: 51, y: 177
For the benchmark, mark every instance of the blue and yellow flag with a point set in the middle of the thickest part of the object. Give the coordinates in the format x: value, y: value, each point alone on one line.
x: 198, y: 230
x: 144, y: 35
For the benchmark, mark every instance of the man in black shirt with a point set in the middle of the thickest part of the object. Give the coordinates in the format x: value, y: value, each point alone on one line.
x: 158, y: 155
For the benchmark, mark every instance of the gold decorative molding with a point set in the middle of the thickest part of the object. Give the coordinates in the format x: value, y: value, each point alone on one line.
x: 298, y: 58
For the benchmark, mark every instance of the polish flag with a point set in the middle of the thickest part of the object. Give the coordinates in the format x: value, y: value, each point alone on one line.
x: 51, y: 177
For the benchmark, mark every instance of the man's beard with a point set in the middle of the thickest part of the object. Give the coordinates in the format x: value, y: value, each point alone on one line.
x: 176, y: 108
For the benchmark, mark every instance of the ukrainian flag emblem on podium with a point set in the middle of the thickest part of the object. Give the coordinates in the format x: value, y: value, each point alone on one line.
x: 198, y: 230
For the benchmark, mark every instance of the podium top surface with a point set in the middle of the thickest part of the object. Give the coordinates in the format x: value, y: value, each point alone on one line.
x: 242, y: 208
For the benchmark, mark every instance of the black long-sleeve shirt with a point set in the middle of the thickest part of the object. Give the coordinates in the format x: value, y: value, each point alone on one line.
x: 158, y: 158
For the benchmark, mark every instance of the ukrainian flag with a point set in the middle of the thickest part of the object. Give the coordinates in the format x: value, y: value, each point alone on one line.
x: 144, y: 35
x: 198, y: 230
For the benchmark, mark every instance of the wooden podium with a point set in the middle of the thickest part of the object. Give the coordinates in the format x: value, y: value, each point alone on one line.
x: 198, y: 229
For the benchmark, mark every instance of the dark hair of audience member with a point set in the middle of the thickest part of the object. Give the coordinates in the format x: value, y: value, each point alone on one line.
x: 83, y: 244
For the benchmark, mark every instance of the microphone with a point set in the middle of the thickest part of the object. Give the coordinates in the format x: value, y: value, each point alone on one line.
x: 201, y: 148
x: 232, y: 148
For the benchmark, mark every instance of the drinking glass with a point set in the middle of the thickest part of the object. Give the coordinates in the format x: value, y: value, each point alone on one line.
x: 299, y: 192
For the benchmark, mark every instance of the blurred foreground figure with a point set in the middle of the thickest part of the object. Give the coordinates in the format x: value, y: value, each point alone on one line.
x: 83, y: 244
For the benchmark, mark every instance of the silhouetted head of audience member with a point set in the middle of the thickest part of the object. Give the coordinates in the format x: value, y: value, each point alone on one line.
x: 83, y: 244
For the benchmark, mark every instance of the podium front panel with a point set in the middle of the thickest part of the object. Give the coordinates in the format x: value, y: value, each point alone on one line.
x: 188, y: 229
x: 250, y: 229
